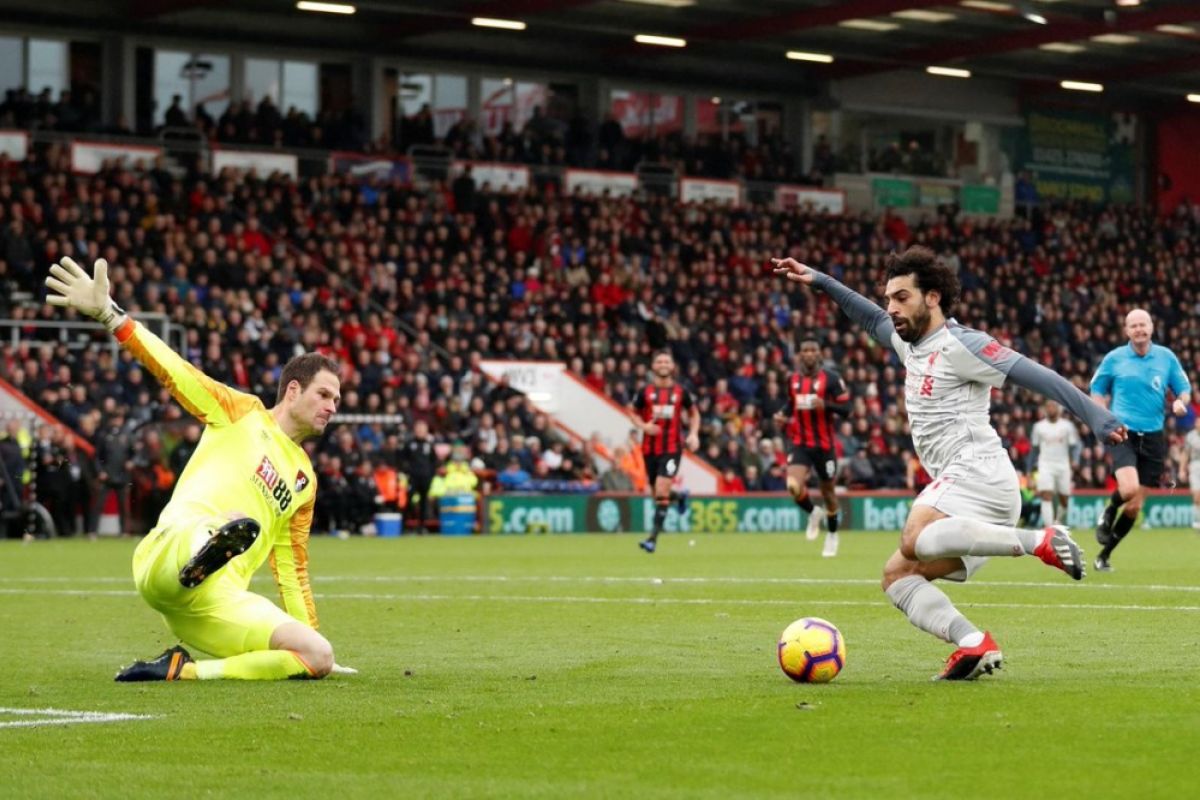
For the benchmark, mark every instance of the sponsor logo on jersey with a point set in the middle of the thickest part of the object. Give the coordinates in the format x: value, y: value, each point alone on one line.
x: 664, y: 411
x: 266, y: 470
x: 273, y: 486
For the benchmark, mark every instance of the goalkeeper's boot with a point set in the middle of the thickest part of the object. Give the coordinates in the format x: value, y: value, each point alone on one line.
x: 968, y: 663
x: 226, y: 543
x: 1059, y: 550
x: 167, y: 667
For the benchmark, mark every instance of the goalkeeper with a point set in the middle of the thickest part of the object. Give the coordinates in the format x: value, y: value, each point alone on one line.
x: 245, y: 497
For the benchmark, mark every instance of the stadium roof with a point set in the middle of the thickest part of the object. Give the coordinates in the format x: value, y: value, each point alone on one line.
x: 1144, y: 45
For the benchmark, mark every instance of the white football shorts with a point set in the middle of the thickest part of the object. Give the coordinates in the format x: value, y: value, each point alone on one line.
x: 980, y: 487
x: 1054, y: 478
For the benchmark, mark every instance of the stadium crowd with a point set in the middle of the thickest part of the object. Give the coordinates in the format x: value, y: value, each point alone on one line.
x: 409, y: 288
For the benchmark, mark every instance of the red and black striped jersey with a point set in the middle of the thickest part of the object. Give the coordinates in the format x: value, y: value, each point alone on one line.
x: 664, y: 406
x: 810, y: 427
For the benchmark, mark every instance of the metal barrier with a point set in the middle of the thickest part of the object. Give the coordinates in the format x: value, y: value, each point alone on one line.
x: 93, y: 333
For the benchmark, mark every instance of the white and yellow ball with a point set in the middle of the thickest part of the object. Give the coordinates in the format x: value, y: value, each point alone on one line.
x: 812, y: 650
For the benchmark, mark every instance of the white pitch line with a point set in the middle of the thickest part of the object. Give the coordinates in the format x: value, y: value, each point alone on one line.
x: 57, y: 716
x: 711, y: 601
x: 628, y: 600
x: 734, y: 580
x: 75, y: 592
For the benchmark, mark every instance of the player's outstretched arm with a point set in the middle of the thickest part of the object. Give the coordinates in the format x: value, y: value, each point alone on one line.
x: 981, y: 358
x: 1033, y: 376
x: 858, y: 308
x: 211, y: 402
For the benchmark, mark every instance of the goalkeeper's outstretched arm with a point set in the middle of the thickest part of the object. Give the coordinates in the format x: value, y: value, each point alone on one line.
x: 212, y: 402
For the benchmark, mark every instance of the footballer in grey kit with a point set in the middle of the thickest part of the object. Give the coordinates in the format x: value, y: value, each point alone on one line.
x: 970, y: 510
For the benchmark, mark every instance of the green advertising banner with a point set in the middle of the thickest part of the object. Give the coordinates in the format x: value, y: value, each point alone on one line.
x: 894, y: 192
x: 980, y: 200
x: 861, y: 511
x: 1079, y: 155
x: 529, y: 513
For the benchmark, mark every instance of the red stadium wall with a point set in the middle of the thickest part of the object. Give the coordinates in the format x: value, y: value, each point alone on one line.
x: 1178, y: 160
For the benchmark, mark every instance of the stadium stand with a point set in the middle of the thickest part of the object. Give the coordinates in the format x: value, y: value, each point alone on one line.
x: 409, y: 290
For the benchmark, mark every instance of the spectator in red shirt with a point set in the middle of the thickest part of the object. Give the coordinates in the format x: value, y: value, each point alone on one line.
x: 730, y: 483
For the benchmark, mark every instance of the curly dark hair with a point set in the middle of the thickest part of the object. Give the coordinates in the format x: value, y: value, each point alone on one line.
x: 930, y: 274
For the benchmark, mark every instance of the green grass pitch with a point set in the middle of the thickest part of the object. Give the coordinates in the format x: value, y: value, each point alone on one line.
x: 578, y: 666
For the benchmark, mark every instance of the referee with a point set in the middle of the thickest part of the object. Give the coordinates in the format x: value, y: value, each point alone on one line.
x: 1136, y: 376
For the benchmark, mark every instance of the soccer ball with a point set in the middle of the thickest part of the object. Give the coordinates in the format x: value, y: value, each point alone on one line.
x: 812, y: 650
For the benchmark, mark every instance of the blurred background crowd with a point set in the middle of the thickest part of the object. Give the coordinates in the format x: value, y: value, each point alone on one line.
x: 410, y: 288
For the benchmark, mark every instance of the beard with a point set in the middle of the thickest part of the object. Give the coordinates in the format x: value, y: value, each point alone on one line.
x: 910, y: 330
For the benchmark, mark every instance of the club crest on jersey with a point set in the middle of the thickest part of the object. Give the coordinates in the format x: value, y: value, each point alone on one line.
x: 301, y: 481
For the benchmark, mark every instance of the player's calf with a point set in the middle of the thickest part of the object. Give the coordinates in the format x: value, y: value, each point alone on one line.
x: 226, y: 543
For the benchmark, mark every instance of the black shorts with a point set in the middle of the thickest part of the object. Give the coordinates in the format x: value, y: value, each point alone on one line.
x: 664, y: 466
x: 1147, y: 452
x: 817, y: 459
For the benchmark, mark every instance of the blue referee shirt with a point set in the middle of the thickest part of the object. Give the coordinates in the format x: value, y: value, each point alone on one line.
x: 1138, y: 385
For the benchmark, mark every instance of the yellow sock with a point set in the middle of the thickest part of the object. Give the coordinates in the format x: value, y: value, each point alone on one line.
x: 260, y: 665
x: 188, y: 673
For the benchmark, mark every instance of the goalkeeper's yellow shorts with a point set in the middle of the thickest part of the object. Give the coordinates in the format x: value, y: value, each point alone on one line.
x: 220, y: 616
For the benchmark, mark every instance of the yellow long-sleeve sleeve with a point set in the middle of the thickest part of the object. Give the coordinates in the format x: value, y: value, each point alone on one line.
x: 289, y: 563
x: 209, y: 401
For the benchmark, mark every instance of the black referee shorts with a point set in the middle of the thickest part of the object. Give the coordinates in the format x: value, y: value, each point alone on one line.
x: 1145, y: 451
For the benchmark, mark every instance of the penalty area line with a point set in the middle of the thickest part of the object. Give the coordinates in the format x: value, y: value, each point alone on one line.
x: 712, y: 601
x: 613, y: 579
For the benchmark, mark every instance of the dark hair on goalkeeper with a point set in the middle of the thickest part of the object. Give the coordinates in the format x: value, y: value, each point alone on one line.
x: 303, y: 369
x: 930, y: 273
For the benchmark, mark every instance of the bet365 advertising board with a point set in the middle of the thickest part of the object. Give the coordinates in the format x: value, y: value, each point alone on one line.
x: 861, y: 511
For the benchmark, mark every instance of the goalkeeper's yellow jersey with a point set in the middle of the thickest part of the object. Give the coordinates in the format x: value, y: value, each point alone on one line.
x: 244, y: 466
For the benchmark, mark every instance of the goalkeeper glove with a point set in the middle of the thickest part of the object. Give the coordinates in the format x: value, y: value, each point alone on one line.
x: 71, y: 287
x: 338, y: 669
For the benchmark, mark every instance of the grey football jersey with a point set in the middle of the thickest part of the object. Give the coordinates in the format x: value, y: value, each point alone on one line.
x: 951, y: 374
x: 948, y: 391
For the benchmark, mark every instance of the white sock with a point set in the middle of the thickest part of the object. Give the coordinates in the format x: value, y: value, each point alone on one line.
x: 1195, y: 516
x: 1047, y: 512
x: 928, y: 607
x: 953, y: 537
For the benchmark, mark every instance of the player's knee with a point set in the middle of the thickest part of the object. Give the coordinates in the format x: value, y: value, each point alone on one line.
x: 897, y: 567
x: 318, y: 655
x: 796, y: 487
x: 908, y: 540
